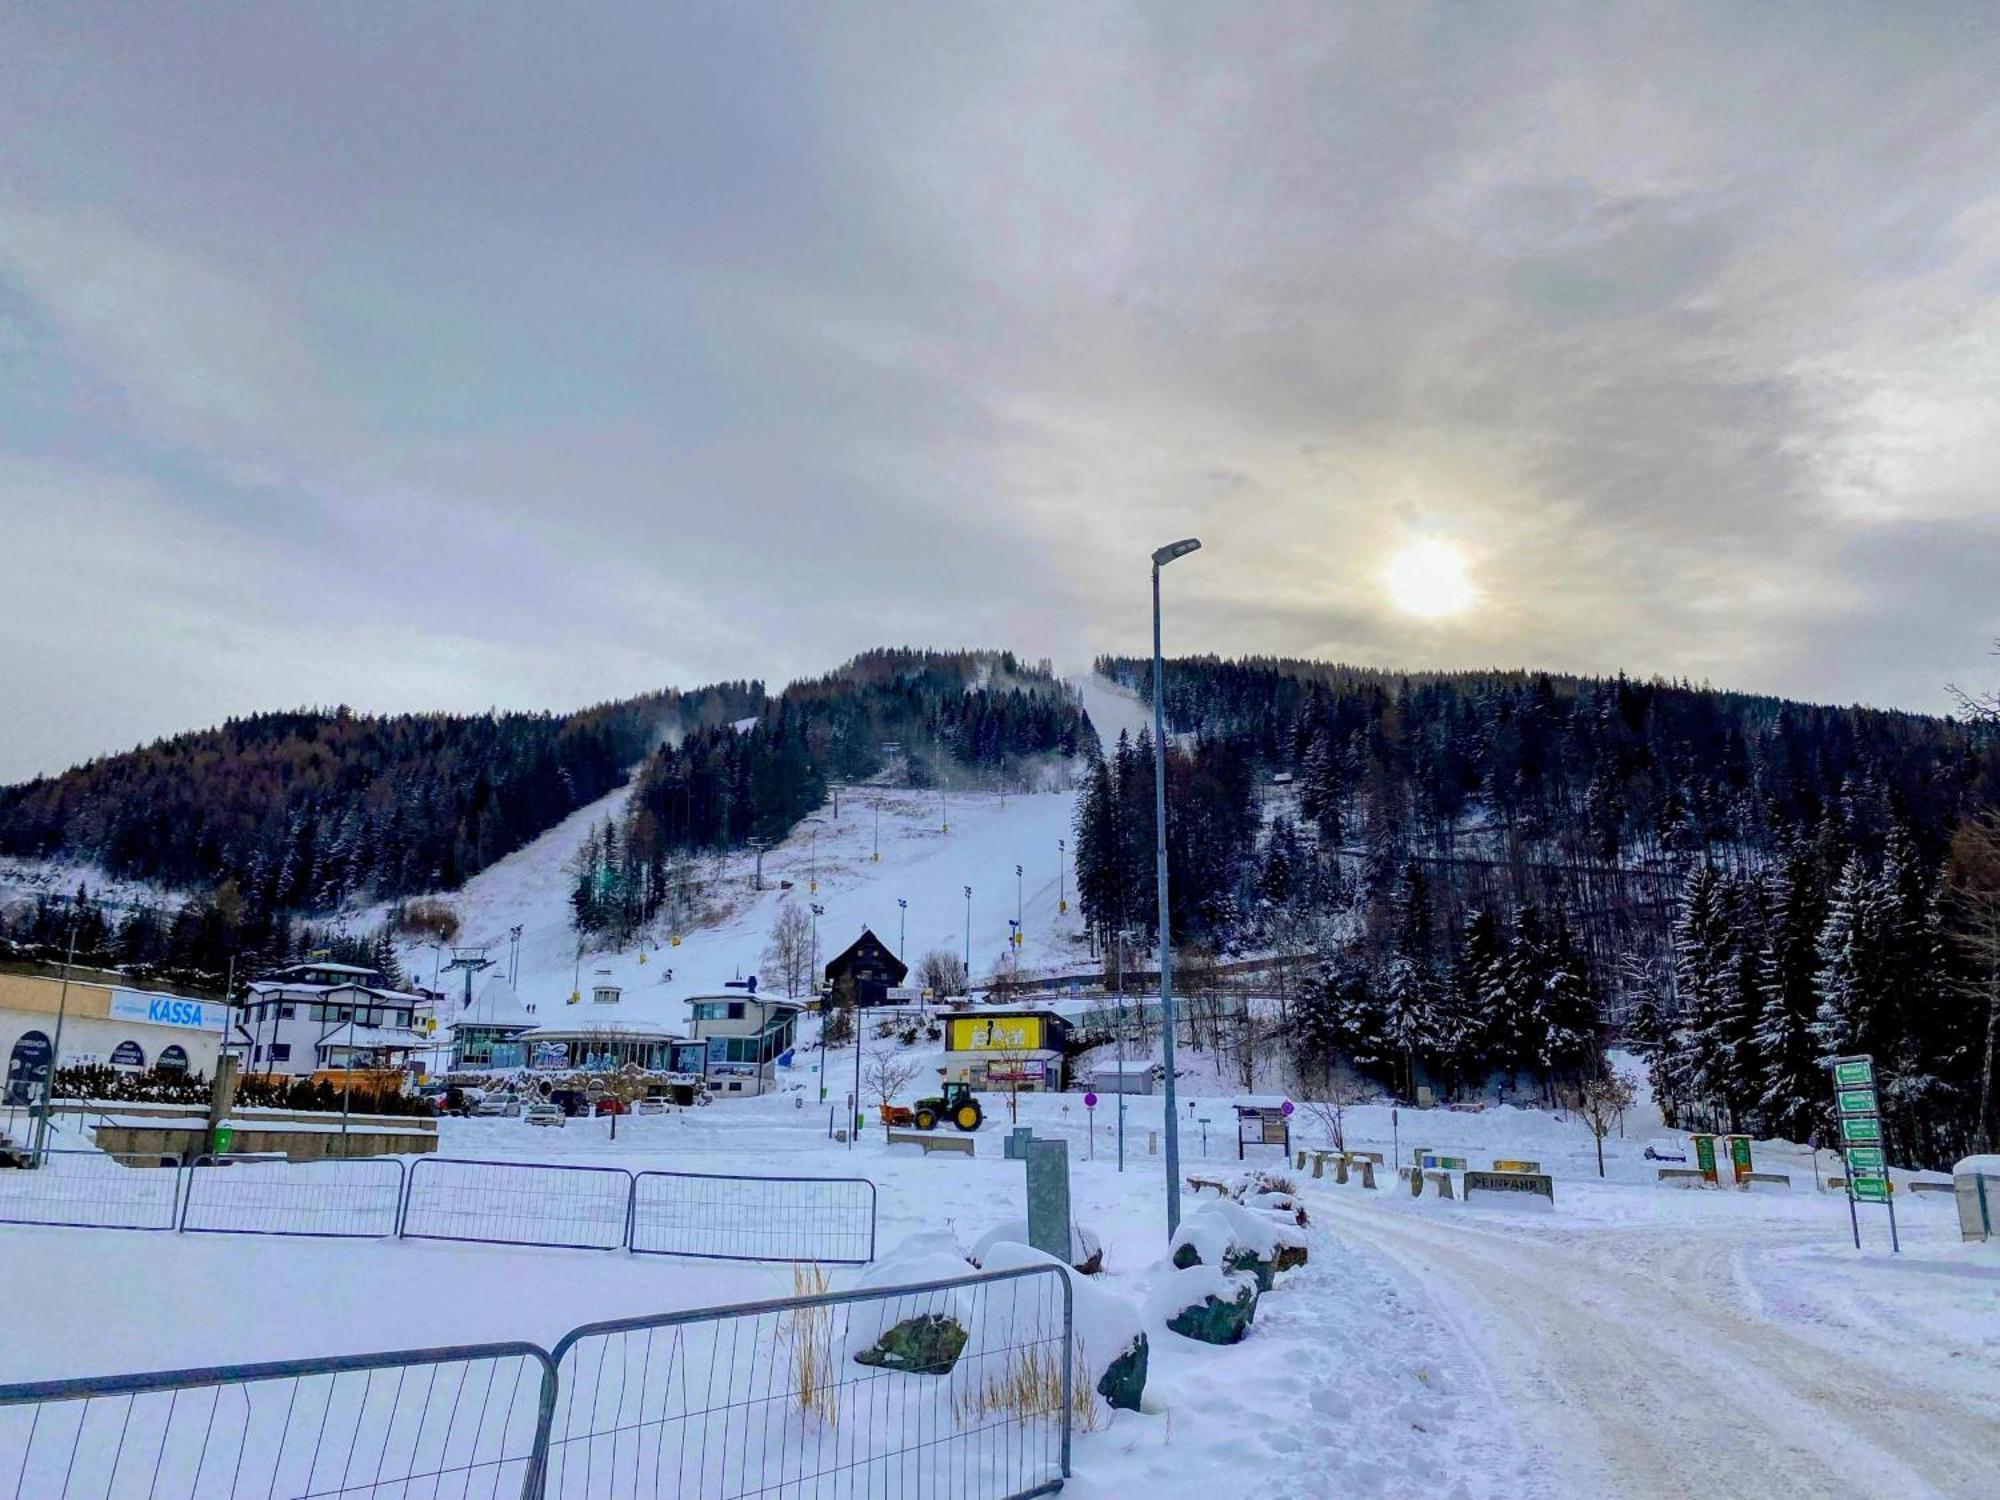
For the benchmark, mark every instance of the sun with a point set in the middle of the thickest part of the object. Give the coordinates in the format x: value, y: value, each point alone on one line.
x: 1428, y: 579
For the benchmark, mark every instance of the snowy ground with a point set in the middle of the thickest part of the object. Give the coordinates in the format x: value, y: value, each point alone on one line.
x: 1638, y: 1341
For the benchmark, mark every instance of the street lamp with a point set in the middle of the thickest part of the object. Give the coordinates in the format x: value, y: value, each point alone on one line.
x: 818, y: 911
x: 41, y: 1148
x: 1062, y: 878
x: 902, y: 927
x: 968, y: 940
x: 1161, y: 558
x: 1017, y: 906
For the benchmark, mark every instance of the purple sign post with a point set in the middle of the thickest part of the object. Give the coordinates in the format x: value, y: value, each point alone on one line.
x: 1090, y: 1103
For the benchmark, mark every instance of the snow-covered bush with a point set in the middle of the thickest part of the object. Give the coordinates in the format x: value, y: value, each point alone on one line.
x: 1231, y: 1237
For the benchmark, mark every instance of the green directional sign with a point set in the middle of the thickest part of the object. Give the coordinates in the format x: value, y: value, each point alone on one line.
x: 1858, y: 1102
x: 1871, y: 1189
x: 1866, y: 1159
x: 1854, y: 1072
x: 1864, y: 1128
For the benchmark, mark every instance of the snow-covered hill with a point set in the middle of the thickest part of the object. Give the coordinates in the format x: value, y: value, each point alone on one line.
x: 931, y: 847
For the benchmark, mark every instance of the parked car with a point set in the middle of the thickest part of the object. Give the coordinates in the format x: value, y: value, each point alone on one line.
x: 504, y: 1105
x: 545, y: 1114
x: 611, y: 1106
x: 1666, y: 1148
x: 650, y: 1107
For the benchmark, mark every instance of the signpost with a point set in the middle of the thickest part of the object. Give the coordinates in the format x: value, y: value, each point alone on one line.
x: 1090, y: 1104
x: 1704, y: 1157
x: 1867, y: 1164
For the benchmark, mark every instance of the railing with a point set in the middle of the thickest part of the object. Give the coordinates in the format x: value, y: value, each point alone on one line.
x: 768, y: 1398
x: 358, y: 1198
x: 431, y: 1422
x: 758, y: 1399
x: 830, y: 1220
x: 517, y: 1203
x: 92, y: 1190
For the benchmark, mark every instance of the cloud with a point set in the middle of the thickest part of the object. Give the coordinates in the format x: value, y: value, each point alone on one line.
x: 698, y: 344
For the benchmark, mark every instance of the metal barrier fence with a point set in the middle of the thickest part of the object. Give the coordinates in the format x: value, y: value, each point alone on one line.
x: 769, y: 1399
x: 760, y: 1399
x: 830, y: 1220
x: 517, y: 1203
x: 359, y: 1198
x: 432, y: 1422
x: 92, y: 1190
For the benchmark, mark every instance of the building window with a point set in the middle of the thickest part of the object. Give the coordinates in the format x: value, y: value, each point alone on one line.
x: 174, y: 1060
x: 281, y: 1052
x: 285, y: 1012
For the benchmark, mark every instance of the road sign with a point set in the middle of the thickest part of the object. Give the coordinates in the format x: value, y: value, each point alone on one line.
x: 1864, y: 1128
x: 1854, y: 1072
x: 1858, y: 1102
x: 1871, y: 1189
x: 1866, y: 1160
x: 1704, y: 1155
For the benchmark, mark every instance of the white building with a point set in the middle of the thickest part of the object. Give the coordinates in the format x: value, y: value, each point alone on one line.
x: 317, y: 1016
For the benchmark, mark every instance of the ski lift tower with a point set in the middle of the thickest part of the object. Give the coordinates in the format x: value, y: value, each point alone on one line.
x: 471, y: 960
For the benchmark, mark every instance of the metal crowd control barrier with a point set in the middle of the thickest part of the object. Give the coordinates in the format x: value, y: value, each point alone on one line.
x: 767, y: 1398
x: 353, y: 1198
x: 517, y: 1203
x: 725, y: 1403
x: 726, y: 1216
x: 430, y: 1422
x: 93, y: 1190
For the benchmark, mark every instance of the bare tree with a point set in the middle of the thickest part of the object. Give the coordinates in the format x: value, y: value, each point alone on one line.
x: 1016, y: 1065
x: 886, y: 1072
x: 789, y: 951
x: 1602, y: 1101
x: 942, y: 972
x: 1330, y: 1110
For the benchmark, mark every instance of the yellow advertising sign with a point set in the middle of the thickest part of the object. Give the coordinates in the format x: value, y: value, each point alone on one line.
x: 996, y: 1034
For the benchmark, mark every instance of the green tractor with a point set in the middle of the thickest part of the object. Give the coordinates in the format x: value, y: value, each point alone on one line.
x: 957, y: 1103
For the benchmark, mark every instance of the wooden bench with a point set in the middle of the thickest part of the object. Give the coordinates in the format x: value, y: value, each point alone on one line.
x: 1439, y: 1179
x: 1683, y: 1176
x: 1374, y: 1156
x: 1355, y: 1159
x: 931, y: 1141
x: 1196, y: 1184
x: 1931, y: 1187
x: 1767, y: 1179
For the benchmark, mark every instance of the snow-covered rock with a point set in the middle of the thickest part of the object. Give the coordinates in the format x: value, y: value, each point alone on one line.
x: 1086, y: 1251
x: 1110, y: 1335
x: 1205, y: 1303
x: 872, y: 1327
x: 1234, y: 1238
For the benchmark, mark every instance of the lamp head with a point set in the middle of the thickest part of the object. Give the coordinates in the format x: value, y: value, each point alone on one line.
x: 1173, y: 550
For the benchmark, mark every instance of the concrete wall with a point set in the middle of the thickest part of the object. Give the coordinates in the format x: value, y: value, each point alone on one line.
x: 318, y: 1144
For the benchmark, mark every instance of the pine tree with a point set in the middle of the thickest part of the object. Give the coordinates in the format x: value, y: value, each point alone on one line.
x: 1792, y: 1099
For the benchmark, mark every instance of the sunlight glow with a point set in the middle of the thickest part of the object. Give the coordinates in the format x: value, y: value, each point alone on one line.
x: 1428, y: 579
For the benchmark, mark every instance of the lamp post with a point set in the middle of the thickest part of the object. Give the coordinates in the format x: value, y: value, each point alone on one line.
x: 1161, y: 558
x: 902, y: 927
x: 1062, y: 877
x: 1018, y: 914
x: 968, y: 940
x: 876, y: 857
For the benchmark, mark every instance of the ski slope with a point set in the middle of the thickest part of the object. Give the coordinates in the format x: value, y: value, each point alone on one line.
x: 885, y: 845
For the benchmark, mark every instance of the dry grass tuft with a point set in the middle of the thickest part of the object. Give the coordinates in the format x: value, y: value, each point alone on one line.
x: 1031, y: 1386
x: 815, y: 1363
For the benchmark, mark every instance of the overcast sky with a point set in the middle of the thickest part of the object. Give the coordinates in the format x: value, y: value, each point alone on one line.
x: 455, y: 356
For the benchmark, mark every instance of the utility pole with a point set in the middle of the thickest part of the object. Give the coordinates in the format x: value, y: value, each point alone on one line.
x: 876, y: 857
x: 513, y: 953
x: 968, y: 940
x: 812, y: 978
x: 1018, y: 913
x: 55, y: 1052
x: 1161, y: 558
x: 1062, y: 877
x: 759, y: 845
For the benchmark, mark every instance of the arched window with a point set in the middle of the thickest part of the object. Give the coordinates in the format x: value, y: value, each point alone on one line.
x: 128, y: 1055
x: 28, y: 1067
x: 174, y: 1060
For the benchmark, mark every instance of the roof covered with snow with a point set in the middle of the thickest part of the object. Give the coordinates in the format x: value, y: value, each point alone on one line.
x: 497, y: 1004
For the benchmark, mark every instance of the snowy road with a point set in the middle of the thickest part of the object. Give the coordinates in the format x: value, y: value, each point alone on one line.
x: 1639, y: 1363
